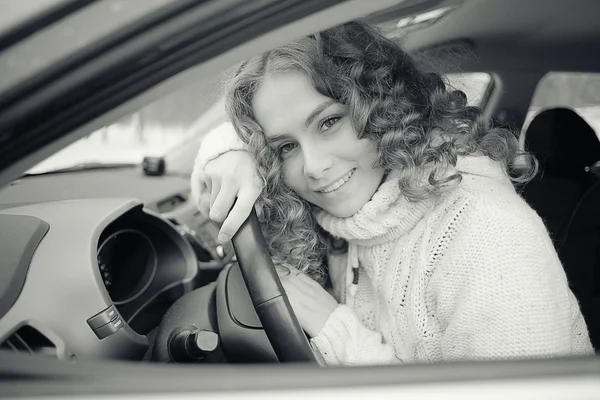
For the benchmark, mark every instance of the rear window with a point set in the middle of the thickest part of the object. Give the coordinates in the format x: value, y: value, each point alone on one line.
x: 579, y: 91
x: 473, y: 84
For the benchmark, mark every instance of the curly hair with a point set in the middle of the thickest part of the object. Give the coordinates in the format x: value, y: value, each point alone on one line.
x: 420, y: 127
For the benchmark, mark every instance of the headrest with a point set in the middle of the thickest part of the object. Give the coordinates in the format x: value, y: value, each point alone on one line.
x: 562, y: 142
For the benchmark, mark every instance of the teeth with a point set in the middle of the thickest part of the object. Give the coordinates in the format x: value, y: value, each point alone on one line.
x: 339, y: 183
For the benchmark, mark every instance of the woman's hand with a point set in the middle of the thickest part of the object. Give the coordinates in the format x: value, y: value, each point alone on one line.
x: 231, y: 176
x: 310, y: 302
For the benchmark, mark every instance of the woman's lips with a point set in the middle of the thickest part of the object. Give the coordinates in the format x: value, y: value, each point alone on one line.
x: 339, y: 183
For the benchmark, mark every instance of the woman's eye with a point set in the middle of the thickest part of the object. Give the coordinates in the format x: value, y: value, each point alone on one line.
x: 329, y: 122
x: 286, y: 148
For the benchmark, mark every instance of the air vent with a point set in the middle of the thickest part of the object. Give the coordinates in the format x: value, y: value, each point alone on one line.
x: 170, y: 204
x: 29, y: 340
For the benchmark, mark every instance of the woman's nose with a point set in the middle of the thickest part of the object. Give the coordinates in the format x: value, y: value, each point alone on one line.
x: 317, y: 162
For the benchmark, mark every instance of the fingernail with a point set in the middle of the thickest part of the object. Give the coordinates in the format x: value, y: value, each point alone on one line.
x: 223, y: 238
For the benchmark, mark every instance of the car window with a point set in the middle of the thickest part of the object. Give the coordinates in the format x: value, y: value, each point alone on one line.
x: 473, y: 84
x: 579, y: 91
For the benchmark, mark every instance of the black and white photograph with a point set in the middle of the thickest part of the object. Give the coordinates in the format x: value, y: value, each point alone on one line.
x: 324, y: 199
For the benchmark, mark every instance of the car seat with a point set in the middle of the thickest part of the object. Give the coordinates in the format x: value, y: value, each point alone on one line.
x: 567, y: 196
x: 580, y: 254
x: 565, y: 146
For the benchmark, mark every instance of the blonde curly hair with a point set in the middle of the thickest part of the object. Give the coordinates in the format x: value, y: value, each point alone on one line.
x: 417, y: 122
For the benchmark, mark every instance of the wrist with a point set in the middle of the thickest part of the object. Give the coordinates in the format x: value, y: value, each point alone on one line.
x: 325, y: 316
x: 217, y: 142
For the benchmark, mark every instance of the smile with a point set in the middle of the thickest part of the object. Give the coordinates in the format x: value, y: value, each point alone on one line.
x: 339, y: 183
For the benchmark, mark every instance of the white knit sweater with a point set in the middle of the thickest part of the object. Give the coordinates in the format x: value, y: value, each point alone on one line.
x: 469, y: 275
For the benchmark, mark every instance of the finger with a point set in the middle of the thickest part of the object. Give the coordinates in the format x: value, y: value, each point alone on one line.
x: 204, y: 206
x: 240, y: 212
x: 209, y: 185
x: 214, y: 191
x: 223, y: 202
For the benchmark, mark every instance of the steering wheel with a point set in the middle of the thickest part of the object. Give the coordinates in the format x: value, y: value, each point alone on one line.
x: 268, y: 296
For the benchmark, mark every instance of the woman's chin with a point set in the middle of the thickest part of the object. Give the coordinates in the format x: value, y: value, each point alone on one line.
x: 343, y: 210
x: 351, y: 197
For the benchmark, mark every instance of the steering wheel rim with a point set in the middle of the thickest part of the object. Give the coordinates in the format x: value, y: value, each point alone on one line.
x: 268, y: 296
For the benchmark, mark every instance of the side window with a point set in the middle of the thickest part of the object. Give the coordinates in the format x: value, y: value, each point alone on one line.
x: 579, y: 91
x: 474, y: 84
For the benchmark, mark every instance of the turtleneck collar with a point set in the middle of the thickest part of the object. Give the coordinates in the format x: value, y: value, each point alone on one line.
x: 390, y: 215
x: 387, y: 216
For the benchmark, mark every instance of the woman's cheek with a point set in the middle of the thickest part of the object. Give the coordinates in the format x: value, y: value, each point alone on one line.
x: 367, y: 148
x: 292, y: 172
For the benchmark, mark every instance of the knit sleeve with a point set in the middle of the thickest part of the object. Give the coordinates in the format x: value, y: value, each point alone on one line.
x: 345, y: 341
x: 217, y: 142
x: 501, y: 291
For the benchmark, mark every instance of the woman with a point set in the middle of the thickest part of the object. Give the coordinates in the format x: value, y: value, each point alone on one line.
x: 341, y: 136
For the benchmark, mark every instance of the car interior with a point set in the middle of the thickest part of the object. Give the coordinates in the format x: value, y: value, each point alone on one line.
x: 119, y: 264
x: 566, y: 147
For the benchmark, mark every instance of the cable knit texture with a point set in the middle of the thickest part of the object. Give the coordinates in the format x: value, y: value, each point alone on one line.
x: 470, y: 274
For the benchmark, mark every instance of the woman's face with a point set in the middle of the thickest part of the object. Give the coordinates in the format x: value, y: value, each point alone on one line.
x: 324, y: 161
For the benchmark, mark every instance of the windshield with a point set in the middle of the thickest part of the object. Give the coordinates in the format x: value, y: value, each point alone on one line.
x: 172, y: 127
x: 122, y: 142
x: 172, y: 123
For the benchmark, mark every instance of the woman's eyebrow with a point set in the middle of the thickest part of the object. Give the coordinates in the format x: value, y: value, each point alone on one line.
x: 309, y: 120
x: 316, y: 112
x: 276, y: 138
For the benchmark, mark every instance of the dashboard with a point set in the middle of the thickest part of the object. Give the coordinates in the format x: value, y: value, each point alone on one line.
x: 128, y: 260
x: 93, y: 277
